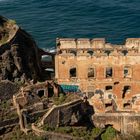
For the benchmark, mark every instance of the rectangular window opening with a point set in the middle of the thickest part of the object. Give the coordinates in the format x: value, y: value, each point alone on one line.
x: 127, y: 72
x: 72, y: 72
x: 126, y: 90
x: 108, y: 88
x: 109, y: 72
x: 127, y: 106
x: 91, y: 73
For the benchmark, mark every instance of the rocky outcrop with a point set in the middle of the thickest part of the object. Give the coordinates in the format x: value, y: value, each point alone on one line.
x: 7, y: 89
x: 19, y: 54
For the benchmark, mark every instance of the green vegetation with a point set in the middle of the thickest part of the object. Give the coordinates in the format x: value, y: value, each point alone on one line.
x: 96, y: 132
x: 5, y: 110
x: 64, y: 98
x: 83, y: 132
x: 5, y: 104
x: 59, y: 100
x: 109, y: 134
x: 4, y: 38
x: 16, y: 134
x: 11, y: 21
x: 5, y: 29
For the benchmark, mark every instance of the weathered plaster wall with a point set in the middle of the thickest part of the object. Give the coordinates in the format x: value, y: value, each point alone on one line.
x: 83, y: 54
x: 123, y: 122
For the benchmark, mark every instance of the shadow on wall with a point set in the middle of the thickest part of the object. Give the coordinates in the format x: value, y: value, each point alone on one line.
x: 86, y: 111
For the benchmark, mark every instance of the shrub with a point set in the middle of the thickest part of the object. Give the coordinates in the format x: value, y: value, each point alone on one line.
x: 109, y: 134
x: 95, y: 132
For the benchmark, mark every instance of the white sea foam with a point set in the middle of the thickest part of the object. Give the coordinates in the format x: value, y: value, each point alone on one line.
x: 51, y: 50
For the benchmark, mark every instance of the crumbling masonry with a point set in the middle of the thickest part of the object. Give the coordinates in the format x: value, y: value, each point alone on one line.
x: 108, y: 74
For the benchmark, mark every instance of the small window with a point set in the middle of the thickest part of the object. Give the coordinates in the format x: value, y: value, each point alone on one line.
x: 124, y: 52
x: 110, y: 96
x: 108, y: 88
x: 127, y: 106
x: 127, y: 72
x: 91, y: 73
x: 73, y: 52
x: 41, y: 93
x: 108, y: 105
x: 109, y: 72
x: 72, y: 72
x: 90, y: 52
x: 126, y: 90
x: 107, y: 52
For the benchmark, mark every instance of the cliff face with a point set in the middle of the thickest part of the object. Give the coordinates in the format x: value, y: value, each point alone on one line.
x: 19, y: 55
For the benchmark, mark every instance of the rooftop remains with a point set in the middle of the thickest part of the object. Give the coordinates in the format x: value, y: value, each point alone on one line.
x: 66, y: 43
x: 98, y: 43
x: 132, y: 43
x: 83, y: 43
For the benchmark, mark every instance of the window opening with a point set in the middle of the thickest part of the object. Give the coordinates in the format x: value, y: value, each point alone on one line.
x: 72, y: 72
x: 127, y: 106
x: 73, y: 52
x: 127, y: 72
x: 109, y: 72
x: 108, y: 52
x: 124, y: 52
x: 40, y: 93
x: 90, y: 52
x: 91, y: 72
x: 126, y: 89
x: 108, y: 88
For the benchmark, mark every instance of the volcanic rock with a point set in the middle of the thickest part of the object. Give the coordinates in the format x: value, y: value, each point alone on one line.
x: 19, y: 55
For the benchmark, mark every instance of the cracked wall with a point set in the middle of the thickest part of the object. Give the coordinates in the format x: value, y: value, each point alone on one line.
x: 115, y: 66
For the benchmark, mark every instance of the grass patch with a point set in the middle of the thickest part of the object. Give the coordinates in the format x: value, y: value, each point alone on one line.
x: 87, y: 134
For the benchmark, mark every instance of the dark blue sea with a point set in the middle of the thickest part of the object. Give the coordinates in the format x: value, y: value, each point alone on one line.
x: 46, y: 20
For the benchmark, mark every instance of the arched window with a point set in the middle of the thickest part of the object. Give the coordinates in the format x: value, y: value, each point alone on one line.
x: 72, y: 72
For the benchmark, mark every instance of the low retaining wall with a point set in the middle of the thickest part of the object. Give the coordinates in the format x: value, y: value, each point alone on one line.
x: 123, y: 122
x: 61, y: 114
x: 35, y: 115
x: 53, y: 135
x: 9, y: 122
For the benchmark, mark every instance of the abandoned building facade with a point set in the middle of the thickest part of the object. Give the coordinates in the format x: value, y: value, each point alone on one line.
x: 101, y: 69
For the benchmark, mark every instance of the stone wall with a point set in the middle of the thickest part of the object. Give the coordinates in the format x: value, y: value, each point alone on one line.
x: 61, y: 114
x: 124, y: 122
x: 7, y: 89
x: 9, y: 122
x: 95, y: 65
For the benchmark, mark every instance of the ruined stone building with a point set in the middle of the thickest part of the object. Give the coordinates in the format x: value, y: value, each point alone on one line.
x: 109, y: 72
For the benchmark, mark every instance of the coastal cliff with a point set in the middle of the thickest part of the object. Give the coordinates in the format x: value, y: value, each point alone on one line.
x: 19, y: 54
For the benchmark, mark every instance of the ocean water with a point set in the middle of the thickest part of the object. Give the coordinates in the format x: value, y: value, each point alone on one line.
x: 46, y: 20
